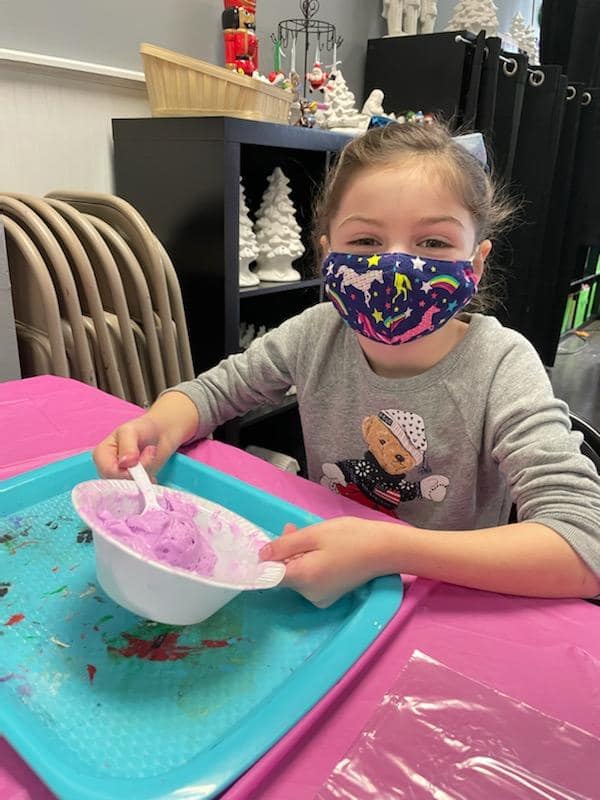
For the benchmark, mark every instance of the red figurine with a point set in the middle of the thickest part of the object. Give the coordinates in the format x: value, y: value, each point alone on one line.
x: 317, y: 77
x: 239, y: 33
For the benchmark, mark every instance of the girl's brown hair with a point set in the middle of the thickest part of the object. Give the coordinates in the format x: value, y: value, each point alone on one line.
x: 433, y: 145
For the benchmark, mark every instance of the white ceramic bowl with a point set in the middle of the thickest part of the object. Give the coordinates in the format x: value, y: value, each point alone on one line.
x: 163, y: 593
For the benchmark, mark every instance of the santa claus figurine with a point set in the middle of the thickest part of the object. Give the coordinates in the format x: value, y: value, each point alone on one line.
x: 317, y: 77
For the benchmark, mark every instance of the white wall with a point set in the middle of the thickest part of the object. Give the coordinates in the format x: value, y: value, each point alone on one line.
x: 56, y: 126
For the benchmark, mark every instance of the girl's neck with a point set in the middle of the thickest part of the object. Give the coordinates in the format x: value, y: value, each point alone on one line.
x: 416, y: 357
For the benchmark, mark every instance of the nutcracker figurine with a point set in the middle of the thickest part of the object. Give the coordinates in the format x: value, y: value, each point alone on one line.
x: 239, y: 33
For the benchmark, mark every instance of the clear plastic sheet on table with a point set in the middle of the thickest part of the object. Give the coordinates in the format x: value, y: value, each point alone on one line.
x: 439, y: 734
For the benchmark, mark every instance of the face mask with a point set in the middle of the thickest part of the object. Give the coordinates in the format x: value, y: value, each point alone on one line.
x: 394, y: 297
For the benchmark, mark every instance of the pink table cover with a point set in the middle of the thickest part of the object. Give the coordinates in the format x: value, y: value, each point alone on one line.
x: 544, y: 652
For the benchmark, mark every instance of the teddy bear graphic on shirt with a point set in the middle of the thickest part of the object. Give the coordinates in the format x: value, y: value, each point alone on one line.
x: 397, y: 444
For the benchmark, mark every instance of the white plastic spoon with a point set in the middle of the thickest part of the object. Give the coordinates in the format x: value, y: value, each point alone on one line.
x: 144, y: 484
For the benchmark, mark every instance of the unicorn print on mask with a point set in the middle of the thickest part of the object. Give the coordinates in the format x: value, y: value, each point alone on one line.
x: 363, y: 281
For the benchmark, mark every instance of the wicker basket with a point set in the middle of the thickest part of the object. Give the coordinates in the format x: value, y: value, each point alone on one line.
x: 180, y: 86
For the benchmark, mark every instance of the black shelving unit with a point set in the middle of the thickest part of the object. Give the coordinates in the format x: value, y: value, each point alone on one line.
x: 182, y: 174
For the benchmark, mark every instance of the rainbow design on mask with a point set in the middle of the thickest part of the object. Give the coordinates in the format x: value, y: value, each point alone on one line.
x: 446, y: 282
x: 336, y: 300
x: 393, y: 322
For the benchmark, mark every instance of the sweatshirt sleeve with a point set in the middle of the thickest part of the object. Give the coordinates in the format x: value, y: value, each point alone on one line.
x: 259, y: 376
x: 551, y: 482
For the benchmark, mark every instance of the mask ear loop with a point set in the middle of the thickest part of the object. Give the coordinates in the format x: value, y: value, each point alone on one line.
x: 471, y: 260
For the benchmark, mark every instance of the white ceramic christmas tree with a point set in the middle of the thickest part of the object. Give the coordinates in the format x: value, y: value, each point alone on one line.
x: 341, y: 111
x: 474, y: 16
x: 517, y: 27
x: 277, y: 232
x: 524, y: 37
x: 248, y: 244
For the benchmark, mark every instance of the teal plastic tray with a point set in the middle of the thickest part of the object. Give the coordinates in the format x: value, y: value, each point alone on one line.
x: 103, y: 704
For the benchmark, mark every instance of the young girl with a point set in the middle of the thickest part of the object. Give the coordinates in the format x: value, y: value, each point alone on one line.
x: 440, y: 418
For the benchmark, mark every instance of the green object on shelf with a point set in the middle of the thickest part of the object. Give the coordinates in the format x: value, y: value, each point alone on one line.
x: 566, y: 324
x: 593, y: 299
x: 582, y: 304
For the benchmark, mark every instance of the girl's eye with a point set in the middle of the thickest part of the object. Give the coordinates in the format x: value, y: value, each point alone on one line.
x: 365, y: 242
x: 433, y: 243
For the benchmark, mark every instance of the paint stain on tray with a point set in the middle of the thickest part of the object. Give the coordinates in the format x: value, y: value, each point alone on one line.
x: 4, y: 589
x: 161, y: 643
x: 15, y: 619
x: 91, y: 671
x: 60, y: 589
x: 23, y: 689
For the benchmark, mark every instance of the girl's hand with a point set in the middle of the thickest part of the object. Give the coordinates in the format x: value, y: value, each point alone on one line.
x: 150, y: 439
x: 327, y: 560
x: 140, y: 440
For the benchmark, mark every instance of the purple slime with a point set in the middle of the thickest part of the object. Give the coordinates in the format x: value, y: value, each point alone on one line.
x: 170, y: 535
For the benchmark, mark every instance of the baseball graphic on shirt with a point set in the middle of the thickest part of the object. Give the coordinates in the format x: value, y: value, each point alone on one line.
x: 397, y: 444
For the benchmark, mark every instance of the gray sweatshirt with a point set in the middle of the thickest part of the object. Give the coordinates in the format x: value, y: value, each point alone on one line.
x: 450, y: 449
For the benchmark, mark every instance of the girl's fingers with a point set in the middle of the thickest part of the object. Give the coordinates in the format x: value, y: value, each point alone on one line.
x: 128, y: 451
x: 287, y: 547
x: 148, y: 457
x: 289, y: 527
x: 105, y: 458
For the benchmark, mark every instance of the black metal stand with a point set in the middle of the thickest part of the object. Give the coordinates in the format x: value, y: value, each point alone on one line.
x: 308, y: 26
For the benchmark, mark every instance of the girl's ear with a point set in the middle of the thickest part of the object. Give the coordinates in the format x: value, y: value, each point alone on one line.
x: 481, y: 254
x: 325, y: 248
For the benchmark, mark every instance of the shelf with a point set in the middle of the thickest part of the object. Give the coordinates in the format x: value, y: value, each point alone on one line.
x: 228, y: 129
x: 268, y: 287
x: 264, y: 412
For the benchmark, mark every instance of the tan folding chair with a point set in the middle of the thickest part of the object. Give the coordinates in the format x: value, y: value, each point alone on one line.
x: 35, y: 355
x: 112, y: 294
x: 134, y: 229
x: 176, y: 298
x: 138, y: 300
x: 34, y: 296
x: 97, y: 334
x: 51, y: 252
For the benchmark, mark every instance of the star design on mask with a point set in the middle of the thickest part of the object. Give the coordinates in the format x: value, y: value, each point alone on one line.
x: 373, y: 260
x: 418, y: 263
x: 408, y: 313
x: 330, y: 268
x: 452, y: 306
x: 377, y: 316
x: 426, y: 287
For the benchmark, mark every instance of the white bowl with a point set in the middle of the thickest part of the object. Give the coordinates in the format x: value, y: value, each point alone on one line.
x: 158, y: 591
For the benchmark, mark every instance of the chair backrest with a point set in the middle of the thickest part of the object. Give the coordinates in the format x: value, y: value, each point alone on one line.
x: 590, y: 446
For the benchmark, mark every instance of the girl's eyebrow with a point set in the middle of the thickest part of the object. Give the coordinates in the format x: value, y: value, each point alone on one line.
x: 434, y: 220
x: 360, y: 218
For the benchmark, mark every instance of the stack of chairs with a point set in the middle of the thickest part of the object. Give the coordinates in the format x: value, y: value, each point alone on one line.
x: 95, y: 295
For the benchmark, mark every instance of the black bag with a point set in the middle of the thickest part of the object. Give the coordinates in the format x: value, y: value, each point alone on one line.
x: 435, y: 73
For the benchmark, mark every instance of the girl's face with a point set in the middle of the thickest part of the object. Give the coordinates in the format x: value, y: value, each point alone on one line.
x: 403, y: 209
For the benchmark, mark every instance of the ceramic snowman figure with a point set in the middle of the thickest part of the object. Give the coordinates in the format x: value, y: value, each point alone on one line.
x: 248, y: 244
x: 277, y: 232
